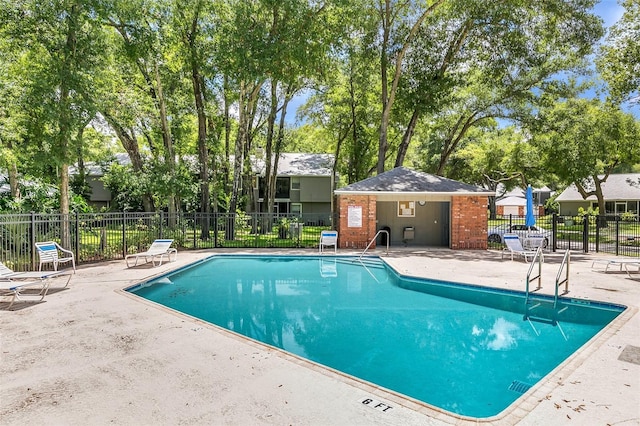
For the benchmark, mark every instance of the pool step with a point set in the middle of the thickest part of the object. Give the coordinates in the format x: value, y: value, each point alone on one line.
x: 540, y: 309
x: 541, y: 320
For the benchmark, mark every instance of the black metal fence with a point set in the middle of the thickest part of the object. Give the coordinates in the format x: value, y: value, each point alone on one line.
x: 105, y: 236
x: 602, y: 234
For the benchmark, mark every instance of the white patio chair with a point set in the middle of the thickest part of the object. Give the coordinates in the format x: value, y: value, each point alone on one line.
x: 328, y: 239
x: 51, y: 252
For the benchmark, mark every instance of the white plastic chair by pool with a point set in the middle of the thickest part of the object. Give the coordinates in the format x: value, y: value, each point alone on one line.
x: 328, y: 239
x: 51, y: 252
x: 156, y: 252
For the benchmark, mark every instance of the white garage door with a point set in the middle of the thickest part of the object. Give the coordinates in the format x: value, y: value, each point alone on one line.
x: 510, y: 210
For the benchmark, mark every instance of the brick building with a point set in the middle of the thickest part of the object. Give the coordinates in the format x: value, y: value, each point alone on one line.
x: 415, y: 208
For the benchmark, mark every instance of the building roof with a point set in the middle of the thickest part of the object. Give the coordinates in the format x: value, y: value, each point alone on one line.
x: 298, y: 164
x: 512, y: 201
x: 402, y: 180
x: 618, y: 187
x: 92, y: 168
x: 289, y: 164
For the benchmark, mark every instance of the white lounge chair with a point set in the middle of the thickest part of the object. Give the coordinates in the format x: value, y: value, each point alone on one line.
x: 51, y: 252
x: 616, y: 262
x: 636, y: 264
x: 156, y: 252
x: 14, y: 289
x: 13, y: 284
x: 328, y: 239
x: 514, y: 246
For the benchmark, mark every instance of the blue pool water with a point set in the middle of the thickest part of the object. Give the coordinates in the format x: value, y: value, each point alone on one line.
x: 463, y: 348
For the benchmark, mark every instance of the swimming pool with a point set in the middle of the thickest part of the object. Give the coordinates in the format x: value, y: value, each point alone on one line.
x: 463, y: 348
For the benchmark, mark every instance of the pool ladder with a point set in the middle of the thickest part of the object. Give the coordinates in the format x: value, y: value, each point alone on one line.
x: 537, y: 304
x: 373, y: 240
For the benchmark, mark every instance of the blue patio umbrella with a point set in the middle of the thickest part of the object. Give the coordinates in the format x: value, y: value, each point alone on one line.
x: 530, y: 219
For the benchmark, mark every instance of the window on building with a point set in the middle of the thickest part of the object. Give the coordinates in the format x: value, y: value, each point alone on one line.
x: 282, y: 188
x: 295, y: 183
x: 609, y: 207
x: 296, y: 208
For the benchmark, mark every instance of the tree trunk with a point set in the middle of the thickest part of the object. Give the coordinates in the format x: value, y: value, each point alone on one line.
x: 203, y: 153
x: 169, y: 155
x: 270, y: 160
x: 130, y: 144
x: 389, y: 91
x: 406, y: 139
x: 12, y: 167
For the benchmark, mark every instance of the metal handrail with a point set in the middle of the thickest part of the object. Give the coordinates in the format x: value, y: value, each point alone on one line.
x: 539, y: 257
x: 373, y: 239
x: 565, y: 262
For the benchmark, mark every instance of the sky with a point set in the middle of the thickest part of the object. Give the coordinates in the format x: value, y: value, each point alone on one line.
x: 609, y: 10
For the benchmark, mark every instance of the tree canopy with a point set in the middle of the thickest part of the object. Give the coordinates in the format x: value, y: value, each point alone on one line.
x: 190, y: 90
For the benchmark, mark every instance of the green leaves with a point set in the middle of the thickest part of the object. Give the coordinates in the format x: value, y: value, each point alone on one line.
x: 619, y: 58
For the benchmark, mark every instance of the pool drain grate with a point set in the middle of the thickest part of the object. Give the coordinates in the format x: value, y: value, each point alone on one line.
x: 519, y: 386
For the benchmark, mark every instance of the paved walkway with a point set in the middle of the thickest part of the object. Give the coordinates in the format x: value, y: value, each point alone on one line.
x: 93, y: 355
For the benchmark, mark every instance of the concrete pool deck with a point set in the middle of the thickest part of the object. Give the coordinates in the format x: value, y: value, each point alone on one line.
x: 91, y: 355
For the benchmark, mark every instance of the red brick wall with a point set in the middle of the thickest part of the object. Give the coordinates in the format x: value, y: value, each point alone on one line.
x: 468, y: 222
x: 356, y: 237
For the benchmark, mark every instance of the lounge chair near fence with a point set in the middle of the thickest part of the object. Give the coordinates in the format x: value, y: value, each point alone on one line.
x: 156, y: 252
x: 15, y: 284
x: 636, y: 272
x: 619, y: 263
x: 514, y: 247
x: 51, y: 252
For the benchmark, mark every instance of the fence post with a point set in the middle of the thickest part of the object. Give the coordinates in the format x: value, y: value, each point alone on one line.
x: 598, y: 219
x: 215, y: 229
x: 77, y: 242
x: 617, y: 235
x: 585, y: 233
x: 160, y: 226
x: 195, y: 218
x: 554, y: 232
x: 33, y: 241
x: 124, y: 234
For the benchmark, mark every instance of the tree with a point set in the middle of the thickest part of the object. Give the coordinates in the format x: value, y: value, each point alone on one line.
x: 498, y: 156
x: 473, y: 62
x: 619, y: 58
x: 582, y: 141
x: 192, y: 18
x: 400, y: 23
x: 59, y: 43
x: 144, y: 30
x: 345, y: 103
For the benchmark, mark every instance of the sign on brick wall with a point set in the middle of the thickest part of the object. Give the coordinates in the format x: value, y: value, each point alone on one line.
x: 354, y: 217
